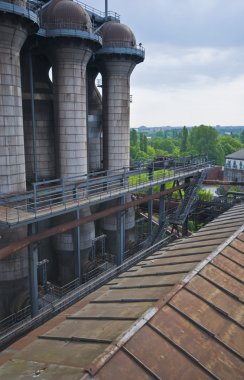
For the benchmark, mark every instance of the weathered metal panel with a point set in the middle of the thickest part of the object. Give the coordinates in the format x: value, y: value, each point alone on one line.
x: 166, y: 361
x: 170, y: 260
x: 208, y: 318
x: 229, y: 266
x: 235, y: 255
x: 60, y: 353
x: 21, y: 369
x: 122, y: 367
x: 238, y: 244
x: 217, y: 297
x: 218, y: 277
x: 203, y: 348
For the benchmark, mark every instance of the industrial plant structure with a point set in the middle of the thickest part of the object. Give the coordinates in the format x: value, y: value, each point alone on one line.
x: 65, y: 178
x: 69, y: 240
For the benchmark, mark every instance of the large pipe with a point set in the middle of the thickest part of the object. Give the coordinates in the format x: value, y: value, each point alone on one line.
x: 106, y: 9
x: 219, y: 182
x: 15, y: 247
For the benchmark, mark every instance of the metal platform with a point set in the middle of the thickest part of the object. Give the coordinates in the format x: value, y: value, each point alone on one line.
x: 52, y: 198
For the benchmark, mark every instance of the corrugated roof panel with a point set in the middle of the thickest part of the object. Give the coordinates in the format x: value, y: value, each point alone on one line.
x: 162, y: 357
x: 234, y: 254
x: 123, y: 367
x: 217, y: 297
x: 195, y: 331
x: 198, y: 344
x: 207, y: 317
x: 224, y: 281
x: 228, y: 266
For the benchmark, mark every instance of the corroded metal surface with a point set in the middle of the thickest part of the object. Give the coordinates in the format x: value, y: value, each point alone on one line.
x: 160, y: 312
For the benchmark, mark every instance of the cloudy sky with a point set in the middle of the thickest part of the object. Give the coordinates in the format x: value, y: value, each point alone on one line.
x: 194, y: 68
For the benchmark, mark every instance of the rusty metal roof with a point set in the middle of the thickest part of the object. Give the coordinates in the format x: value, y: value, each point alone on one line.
x: 176, y: 314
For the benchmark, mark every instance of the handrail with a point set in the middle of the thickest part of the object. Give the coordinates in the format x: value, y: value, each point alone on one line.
x: 63, y: 194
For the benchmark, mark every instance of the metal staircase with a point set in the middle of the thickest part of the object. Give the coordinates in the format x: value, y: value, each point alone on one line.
x: 190, y: 198
x: 183, y: 210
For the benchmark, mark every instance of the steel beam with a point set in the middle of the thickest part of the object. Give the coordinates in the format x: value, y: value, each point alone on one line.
x: 120, y: 233
x: 33, y: 265
x: 77, y: 249
x: 17, y: 246
x: 162, y: 205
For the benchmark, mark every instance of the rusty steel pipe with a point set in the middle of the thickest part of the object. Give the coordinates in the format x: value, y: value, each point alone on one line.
x: 219, y: 182
x: 61, y: 228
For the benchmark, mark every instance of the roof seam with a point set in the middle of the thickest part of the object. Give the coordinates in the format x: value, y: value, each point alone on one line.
x: 205, y: 330
x: 216, y: 308
x: 226, y: 272
x: 221, y: 287
x: 181, y: 349
x: 98, y: 363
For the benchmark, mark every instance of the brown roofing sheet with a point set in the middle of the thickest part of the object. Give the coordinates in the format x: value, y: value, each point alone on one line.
x: 194, y: 342
x: 221, y: 279
x: 197, y: 333
x: 234, y: 254
x: 217, y: 298
x: 114, y: 308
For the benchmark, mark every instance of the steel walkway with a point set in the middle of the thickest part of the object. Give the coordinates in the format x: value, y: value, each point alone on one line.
x: 49, y: 199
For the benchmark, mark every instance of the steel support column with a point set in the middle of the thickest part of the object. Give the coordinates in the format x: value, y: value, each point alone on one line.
x: 33, y: 265
x: 185, y: 224
x: 150, y: 202
x: 185, y: 227
x: 77, y: 258
x: 33, y: 116
x: 150, y: 211
x: 162, y: 205
x: 120, y: 234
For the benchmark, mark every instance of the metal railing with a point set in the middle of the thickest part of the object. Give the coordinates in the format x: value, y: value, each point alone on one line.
x: 89, y: 9
x: 65, y: 194
x: 52, y: 308
x: 14, y: 319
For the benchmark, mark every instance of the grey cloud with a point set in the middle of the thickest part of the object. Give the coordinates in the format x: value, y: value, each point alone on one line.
x: 182, y: 22
x: 171, y: 66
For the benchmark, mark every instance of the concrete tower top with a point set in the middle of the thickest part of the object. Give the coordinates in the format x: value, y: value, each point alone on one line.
x: 116, y: 34
x: 66, y: 14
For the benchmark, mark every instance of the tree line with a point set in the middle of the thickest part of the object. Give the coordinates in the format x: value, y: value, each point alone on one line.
x: 201, y: 140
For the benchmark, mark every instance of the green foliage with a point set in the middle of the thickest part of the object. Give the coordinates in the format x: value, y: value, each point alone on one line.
x: 205, y: 195
x: 203, y: 140
x: 133, y: 137
x: 166, y: 144
x: 193, y: 226
x: 229, y: 144
x: 184, y: 140
x: 242, y: 137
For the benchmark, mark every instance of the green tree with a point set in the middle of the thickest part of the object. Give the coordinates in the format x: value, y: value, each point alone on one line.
x: 184, y: 138
x: 145, y: 144
x: 242, y: 136
x: 133, y: 137
x: 229, y: 144
x: 203, y: 140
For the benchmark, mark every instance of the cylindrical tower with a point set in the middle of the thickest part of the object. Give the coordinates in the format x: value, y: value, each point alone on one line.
x: 15, y: 24
x: 94, y: 121
x: 69, y: 57
x: 117, y: 59
x: 39, y: 138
